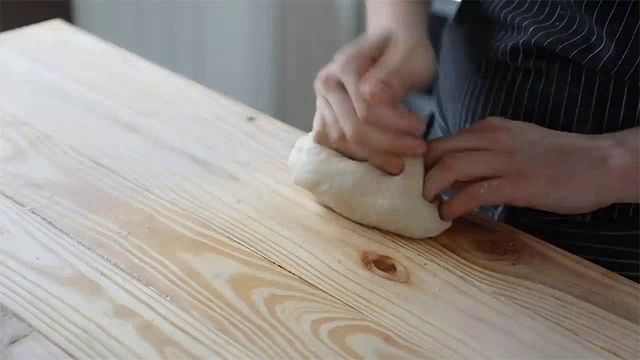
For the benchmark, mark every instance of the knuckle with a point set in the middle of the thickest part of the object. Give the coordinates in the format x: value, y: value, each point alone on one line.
x: 344, y: 63
x: 345, y: 53
x: 342, y: 68
x: 317, y: 82
x: 502, y: 137
x: 322, y: 72
x: 493, y: 121
x: 326, y: 79
x: 320, y: 136
x: 340, y: 54
x: 339, y: 58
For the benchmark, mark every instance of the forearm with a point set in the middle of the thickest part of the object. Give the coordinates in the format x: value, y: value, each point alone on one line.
x: 622, y: 151
x: 403, y: 15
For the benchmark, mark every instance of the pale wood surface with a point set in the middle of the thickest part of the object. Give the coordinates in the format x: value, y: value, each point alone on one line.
x: 144, y: 215
x: 18, y: 341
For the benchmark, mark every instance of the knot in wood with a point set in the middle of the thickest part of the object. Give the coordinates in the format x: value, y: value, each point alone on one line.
x: 385, y: 267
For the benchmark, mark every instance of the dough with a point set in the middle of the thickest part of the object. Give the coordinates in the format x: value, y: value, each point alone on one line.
x: 365, y: 194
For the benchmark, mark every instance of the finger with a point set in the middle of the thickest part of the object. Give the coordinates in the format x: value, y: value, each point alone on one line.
x: 462, y: 166
x: 327, y: 130
x: 359, y: 55
x: 371, y: 139
x: 339, y: 101
x: 483, y: 193
x: 337, y: 113
x: 319, y: 130
x: 369, y: 47
x: 471, y: 139
x: 351, y: 141
x: 326, y: 81
x: 397, y: 119
x: 393, y: 165
x: 381, y: 83
x: 352, y: 62
x: 381, y: 91
x: 458, y: 186
x: 348, y: 72
x: 399, y: 144
x: 362, y: 141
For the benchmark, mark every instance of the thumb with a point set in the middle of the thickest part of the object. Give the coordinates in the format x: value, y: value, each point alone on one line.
x: 383, y: 82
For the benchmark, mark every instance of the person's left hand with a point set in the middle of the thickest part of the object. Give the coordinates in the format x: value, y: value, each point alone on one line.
x: 504, y: 162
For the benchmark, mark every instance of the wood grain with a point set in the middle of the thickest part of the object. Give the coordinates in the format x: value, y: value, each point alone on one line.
x: 262, y: 307
x: 18, y: 341
x: 189, y: 192
x: 33, y: 346
x: 87, y: 306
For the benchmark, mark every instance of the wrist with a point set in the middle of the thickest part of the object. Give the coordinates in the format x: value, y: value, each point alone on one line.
x: 398, y: 16
x: 621, y: 165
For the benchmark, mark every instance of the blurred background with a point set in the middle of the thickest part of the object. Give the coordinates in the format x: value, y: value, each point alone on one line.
x: 264, y: 53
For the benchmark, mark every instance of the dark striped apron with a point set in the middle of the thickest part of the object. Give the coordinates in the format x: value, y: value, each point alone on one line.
x: 565, y: 65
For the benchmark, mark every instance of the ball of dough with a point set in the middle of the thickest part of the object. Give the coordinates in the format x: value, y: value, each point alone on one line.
x: 364, y: 193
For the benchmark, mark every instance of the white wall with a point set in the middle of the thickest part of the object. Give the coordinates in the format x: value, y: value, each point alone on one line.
x: 312, y: 32
x: 264, y: 53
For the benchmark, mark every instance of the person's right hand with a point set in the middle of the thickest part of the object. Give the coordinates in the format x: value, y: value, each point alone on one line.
x: 358, y: 99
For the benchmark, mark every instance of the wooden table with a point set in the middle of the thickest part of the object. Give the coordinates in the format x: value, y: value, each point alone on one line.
x: 142, y: 215
x: 19, y: 341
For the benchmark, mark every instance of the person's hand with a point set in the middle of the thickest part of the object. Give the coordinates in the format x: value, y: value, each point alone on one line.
x: 407, y: 64
x: 358, y: 94
x: 500, y: 161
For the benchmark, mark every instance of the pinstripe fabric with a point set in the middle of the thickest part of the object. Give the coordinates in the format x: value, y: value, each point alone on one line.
x: 566, y: 65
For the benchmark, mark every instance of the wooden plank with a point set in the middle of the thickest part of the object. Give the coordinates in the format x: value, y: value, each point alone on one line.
x: 11, y: 328
x: 87, y: 305
x: 480, y: 290
x: 18, y: 341
x: 12, y: 333
x: 33, y: 346
x: 242, y: 294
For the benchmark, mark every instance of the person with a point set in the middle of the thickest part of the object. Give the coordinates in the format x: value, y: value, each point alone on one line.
x: 537, y: 114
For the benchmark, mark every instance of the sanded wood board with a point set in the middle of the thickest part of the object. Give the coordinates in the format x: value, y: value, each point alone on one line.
x: 144, y: 215
x: 18, y: 341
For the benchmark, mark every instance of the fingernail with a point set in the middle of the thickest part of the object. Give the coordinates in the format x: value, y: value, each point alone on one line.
x: 443, y: 212
x: 426, y: 193
x: 429, y: 196
x: 398, y: 166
